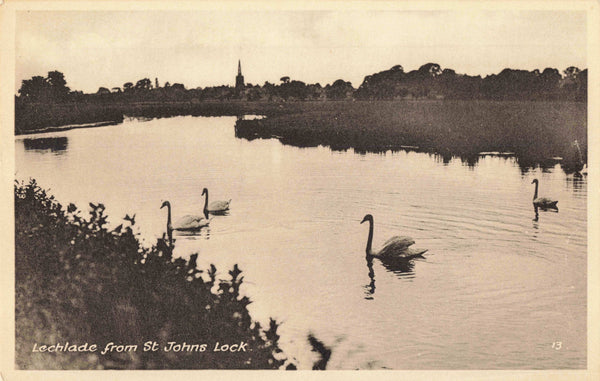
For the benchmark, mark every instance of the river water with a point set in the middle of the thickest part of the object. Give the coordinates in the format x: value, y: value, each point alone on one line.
x: 498, y: 289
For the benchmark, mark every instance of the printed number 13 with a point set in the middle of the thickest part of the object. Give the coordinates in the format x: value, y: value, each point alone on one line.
x: 557, y: 345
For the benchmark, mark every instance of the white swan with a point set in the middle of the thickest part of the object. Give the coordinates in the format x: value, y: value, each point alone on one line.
x: 185, y: 223
x: 395, y: 247
x: 542, y: 202
x: 215, y: 207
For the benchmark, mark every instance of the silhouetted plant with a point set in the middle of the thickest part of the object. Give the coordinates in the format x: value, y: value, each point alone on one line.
x: 323, y: 351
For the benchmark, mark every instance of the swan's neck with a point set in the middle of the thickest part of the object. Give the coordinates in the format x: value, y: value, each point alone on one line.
x: 579, y: 152
x: 370, y: 239
x: 169, y: 226
x: 168, y: 216
x: 536, y: 191
x: 206, y: 203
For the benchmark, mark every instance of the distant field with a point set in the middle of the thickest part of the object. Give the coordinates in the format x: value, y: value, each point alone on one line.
x: 534, y: 131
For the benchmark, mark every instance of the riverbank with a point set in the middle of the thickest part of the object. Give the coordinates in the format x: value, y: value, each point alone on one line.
x: 40, y: 117
x: 534, y: 130
x: 105, y: 302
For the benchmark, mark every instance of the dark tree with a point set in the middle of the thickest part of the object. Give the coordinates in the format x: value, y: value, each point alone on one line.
x: 33, y: 89
x: 50, y: 89
x: 549, y: 80
x: 143, y: 84
x: 293, y: 89
x: 383, y: 85
x: 430, y: 70
x: 571, y: 72
x: 58, y: 84
x: 340, y: 89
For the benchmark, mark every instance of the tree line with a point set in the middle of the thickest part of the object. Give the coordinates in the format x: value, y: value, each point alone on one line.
x: 430, y: 81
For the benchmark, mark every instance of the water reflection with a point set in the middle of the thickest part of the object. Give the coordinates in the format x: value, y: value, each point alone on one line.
x: 56, y: 145
x: 202, y: 233
x: 444, y: 158
x: 470, y: 160
x: 576, y: 183
x: 401, y: 267
x: 174, y: 234
x: 140, y: 119
x: 536, y: 209
x: 370, y: 288
x: 217, y: 213
x: 251, y: 129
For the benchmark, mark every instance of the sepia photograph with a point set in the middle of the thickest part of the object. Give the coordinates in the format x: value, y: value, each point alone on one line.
x: 298, y: 187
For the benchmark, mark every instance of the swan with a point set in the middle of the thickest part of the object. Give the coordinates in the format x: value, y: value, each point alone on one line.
x: 185, y: 223
x: 395, y: 247
x: 583, y: 172
x: 214, y: 207
x: 542, y: 202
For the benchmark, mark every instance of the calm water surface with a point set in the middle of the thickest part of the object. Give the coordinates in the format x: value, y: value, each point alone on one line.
x: 497, y: 289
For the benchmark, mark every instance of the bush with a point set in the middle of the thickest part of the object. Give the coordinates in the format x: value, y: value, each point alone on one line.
x: 78, y: 282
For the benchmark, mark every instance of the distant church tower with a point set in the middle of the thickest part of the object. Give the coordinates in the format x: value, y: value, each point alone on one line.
x: 239, y: 79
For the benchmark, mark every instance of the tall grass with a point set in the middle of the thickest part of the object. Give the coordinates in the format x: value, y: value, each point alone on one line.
x: 534, y: 131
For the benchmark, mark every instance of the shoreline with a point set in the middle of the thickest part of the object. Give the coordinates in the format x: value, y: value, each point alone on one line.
x: 69, y: 127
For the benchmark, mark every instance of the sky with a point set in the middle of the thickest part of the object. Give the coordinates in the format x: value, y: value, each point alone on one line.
x: 201, y: 48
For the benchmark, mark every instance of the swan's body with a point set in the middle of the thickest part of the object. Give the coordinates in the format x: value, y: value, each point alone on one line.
x: 214, y: 207
x: 395, y: 247
x: 190, y: 222
x: 583, y: 172
x: 185, y: 223
x: 542, y: 202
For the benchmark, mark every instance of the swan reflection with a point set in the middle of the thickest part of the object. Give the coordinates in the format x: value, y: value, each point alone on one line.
x: 370, y: 288
x: 56, y: 145
x: 400, y: 267
x: 536, y: 210
x: 202, y: 233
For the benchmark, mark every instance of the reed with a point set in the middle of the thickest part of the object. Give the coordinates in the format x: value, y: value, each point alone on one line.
x: 534, y: 131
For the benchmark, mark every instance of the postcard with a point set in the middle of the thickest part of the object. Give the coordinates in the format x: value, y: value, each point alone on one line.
x: 290, y: 190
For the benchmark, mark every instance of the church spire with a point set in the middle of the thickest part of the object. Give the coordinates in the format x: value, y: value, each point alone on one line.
x: 239, y: 79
